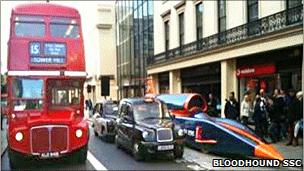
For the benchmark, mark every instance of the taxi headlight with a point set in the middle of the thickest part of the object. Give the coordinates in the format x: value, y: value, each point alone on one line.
x: 145, y: 134
x: 148, y: 135
x: 78, y: 133
x: 19, y: 136
x: 180, y: 132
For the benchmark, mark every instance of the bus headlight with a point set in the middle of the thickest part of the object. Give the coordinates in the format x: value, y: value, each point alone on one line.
x: 19, y: 136
x: 78, y: 133
x: 180, y: 132
x: 13, y: 116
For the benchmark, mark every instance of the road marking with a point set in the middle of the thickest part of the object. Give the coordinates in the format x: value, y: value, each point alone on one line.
x: 96, y: 164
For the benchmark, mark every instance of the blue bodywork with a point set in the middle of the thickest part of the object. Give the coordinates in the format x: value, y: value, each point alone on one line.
x: 227, y: 141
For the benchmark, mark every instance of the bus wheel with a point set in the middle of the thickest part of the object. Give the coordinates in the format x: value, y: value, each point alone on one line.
x: 15, y: 159
x: 82, y: 154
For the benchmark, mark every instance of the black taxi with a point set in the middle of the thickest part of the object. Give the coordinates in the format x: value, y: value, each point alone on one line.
x: 144, y: 127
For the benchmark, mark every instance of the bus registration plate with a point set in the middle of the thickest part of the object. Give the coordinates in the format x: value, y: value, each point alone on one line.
x: 49, y: 155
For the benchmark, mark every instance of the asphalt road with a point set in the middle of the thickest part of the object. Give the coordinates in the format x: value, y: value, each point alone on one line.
x: 105, y: 156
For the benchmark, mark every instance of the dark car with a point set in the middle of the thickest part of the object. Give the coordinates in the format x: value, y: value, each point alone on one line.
x: 144, y: 126
x: 104, y: 120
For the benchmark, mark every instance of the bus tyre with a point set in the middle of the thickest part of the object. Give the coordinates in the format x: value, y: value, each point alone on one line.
x: 178, y: 152
x: 15, y: 159
x: 82, y: 155
x: 137, y: 152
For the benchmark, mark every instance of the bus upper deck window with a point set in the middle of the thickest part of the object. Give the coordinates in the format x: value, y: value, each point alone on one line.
x: 64, y: 28
x: 29, y: 26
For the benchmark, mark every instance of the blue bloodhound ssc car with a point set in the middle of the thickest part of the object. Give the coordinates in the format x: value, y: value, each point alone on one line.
x: 217, y: 135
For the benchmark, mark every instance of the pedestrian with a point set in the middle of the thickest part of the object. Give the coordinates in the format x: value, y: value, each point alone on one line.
x: 294, y: 115
x: 264, y: 103
x: 90, y: 104
x: 298, y: 128
x: 259, y: 116
x: 283, y: 116
x: 279, y: 112
x: 246, y: 109
x: 274, y: 118
x: 87, y: 104
x: 231, y: 110
x: 212, y: 106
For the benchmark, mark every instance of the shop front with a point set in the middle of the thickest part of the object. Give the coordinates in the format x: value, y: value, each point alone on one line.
x: 163, y: 82
x: 280, y: 69
x: 203, y: 79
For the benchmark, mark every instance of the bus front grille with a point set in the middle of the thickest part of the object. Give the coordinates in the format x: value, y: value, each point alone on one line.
x: 49, y: 138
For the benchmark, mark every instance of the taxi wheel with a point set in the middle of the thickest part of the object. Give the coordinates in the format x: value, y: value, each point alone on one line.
x: 136, y: 152
x: 178, y: 152
x: 95, y: 133
x: 116, y: 142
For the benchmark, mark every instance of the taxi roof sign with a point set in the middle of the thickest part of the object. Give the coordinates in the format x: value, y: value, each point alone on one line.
x: 149, y: 98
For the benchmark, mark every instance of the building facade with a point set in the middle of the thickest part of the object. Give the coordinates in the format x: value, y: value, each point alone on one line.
x: 134, y: 44
x: 105, y: 64
x: 223, y: 46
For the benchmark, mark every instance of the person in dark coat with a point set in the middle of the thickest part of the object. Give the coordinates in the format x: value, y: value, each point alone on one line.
x: 231, y: 110
x: 294, y: 114
x: 259, y: 116
x: 212, y: 106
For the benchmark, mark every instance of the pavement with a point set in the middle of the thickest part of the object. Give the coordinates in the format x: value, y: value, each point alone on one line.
x: 106, y: 156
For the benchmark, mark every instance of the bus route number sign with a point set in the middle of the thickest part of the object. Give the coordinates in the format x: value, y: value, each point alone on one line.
x: 35, y: 48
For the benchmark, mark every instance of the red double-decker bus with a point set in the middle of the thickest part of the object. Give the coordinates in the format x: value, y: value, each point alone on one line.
x: 46, y: 73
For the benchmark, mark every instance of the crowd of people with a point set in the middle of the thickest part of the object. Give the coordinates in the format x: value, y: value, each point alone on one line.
x: 277, y: 117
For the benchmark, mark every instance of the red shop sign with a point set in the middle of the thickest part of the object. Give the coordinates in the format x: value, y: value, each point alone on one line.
x: 255, y: 70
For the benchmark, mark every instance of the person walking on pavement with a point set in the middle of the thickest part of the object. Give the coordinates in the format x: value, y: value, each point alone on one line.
x: 231, y: 110
x: 246, y: 109
x: 294, y: 115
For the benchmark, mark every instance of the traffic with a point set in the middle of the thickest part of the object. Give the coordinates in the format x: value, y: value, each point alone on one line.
x: 50, y: 120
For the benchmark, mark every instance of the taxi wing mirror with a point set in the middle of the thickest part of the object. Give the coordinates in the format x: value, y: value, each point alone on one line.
x: 173, y: 116
x: 128, y: 119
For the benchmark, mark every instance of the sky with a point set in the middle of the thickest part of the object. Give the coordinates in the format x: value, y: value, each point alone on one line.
x: 89, y: 18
